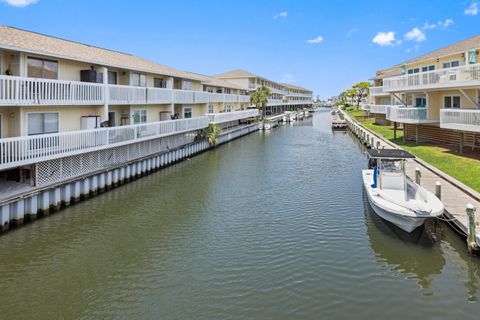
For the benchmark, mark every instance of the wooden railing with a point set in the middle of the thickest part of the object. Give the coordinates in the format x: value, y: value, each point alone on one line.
x: 460, y: 119
x: 232, y: 116
x: 26, y: 150
x: 463, y: 75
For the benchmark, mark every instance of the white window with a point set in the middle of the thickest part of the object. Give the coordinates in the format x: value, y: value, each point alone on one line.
x: 138, y: 79
x: 186, y: 85
x: 187, y: 113
x: 210, y: 108
x: 451, y: 102
x: 139, y: 116
x: 451, y: 64
x: 41, y: 123
x: 227, y: 90
x: 414, y: 70
x: 42, y: 68
x: 428, y: 68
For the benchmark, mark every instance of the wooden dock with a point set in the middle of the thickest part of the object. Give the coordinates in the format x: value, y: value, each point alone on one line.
x: 454, y: 194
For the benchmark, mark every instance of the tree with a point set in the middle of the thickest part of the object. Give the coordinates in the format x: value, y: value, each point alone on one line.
x: 210, y: 133
x: 351, y: 94
x: 260, y: 98
x: 361, y: 89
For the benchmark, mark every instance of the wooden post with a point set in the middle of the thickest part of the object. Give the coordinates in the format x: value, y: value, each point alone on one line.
x: 394, y: 131
x: 471, y: 241
x: 404, y: 133
x: 438, y: 190
x: 462, y: 141
x: 416, y: 134
x: 418, y: 175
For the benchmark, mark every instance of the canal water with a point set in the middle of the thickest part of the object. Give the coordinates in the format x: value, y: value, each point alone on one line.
x: 274, y: 225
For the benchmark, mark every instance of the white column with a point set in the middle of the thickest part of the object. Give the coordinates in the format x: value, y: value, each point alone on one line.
x: 106, y: 96
x: 22, y: 66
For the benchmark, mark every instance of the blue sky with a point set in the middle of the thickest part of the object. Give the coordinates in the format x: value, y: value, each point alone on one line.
x: 325, y: 46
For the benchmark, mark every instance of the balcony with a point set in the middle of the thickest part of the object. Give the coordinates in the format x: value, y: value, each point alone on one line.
x: 32, y: 92
x: 460, y: 119
x: 463, y: 76
x: 377, y: 91
x: 27, y: 150
x: 379, y: 108
x: 413, y: 115
x: 232, y: 116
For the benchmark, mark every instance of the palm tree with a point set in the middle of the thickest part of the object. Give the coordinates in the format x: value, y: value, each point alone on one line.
x: 210, y: 133
x: 260, y: 98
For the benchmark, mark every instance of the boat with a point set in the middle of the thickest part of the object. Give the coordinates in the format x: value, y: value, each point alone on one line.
x: 339, y: 122
x: 395, y: 197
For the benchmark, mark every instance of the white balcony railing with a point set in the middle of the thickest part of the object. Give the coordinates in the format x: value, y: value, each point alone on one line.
x: 243, y: 98
x: 159, y: 95
x: 409, y: 114
x: 460, y: 119
x: 377, y: 91
x: 26, y: 150
x: 232, y: 116
x: 127, y: 94
x: 379, y: 108
x: 32, y: 91
x: 452, y: 77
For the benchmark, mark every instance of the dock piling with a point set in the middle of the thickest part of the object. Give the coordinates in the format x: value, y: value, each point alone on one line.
x: 438, y: 190
x: 418, y: 175
x: 471, y: 238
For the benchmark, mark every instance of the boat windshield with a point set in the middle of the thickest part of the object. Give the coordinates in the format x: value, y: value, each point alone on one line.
x: 391, y: 166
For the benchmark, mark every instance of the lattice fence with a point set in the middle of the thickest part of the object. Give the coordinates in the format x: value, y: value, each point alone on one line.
x: 57, y: 170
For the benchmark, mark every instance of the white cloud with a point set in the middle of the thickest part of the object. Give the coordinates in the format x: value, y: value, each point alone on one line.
x: 20, y: 3
x: 416, y: 35
x: 415, y: 48
x: 385, y: 39
x: 316, y: 40
x: 446, y: 23
x: 351, y: 32
x: 428, y: 26
x: 283, y: 14
x: 472, y: 10
x: 440, y: 24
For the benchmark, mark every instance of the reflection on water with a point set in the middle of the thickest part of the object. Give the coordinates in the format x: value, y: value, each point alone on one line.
x: 274, y: 225
x: 414, y: 255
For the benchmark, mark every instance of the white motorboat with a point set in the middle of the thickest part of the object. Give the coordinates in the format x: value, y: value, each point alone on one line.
x: 394, y: 196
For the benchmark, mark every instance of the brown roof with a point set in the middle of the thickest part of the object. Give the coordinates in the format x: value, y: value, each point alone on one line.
x: 295, y: 87
x: 461, y: 46
x: 392, y: 72
x: 237, y: 73
x: 27, y: 41
x: 216, y: 82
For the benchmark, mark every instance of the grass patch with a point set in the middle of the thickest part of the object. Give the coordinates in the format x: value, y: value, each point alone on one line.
x: 353, y: 112
x: 462, y: 168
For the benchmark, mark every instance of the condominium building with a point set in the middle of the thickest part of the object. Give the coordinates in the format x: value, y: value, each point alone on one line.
x: 436, y: 96
x: 61, y: 98
x: 283, y: 96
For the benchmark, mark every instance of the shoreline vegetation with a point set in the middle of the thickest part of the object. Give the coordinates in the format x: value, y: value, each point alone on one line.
x: 460, y: 166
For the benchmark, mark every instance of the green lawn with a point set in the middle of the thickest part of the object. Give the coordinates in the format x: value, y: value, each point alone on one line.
x: 353, y: 112
x: 464, y: 169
